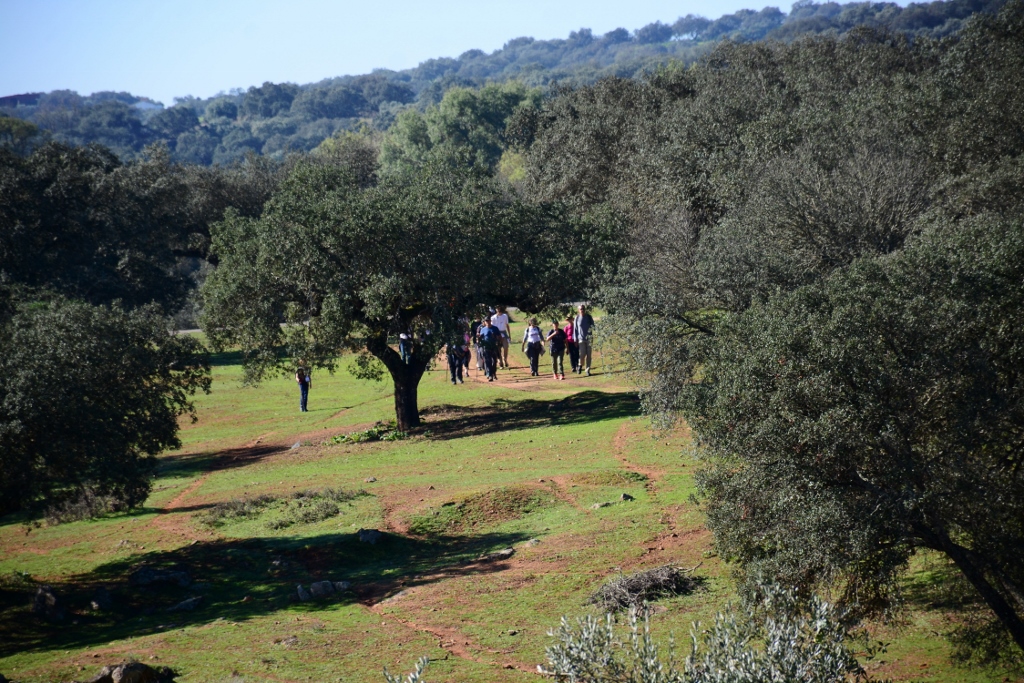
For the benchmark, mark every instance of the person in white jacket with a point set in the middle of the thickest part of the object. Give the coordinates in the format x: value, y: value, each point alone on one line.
x: 533, y: 345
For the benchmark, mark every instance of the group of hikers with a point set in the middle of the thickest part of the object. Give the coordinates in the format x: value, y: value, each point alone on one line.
x: 491, y: 338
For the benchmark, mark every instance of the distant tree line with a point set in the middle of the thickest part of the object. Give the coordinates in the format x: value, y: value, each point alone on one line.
x: 825, y: 278
x: 276, y: 119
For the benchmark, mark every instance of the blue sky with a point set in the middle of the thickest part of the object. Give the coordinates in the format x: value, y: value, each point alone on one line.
x: 168, y: 48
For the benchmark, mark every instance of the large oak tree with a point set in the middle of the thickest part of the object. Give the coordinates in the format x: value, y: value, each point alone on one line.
x: 332, y: 265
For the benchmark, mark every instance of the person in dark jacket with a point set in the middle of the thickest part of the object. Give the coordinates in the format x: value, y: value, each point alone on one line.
x: 489, y: 339
x: 556, y: 346
x: 302, y: 377
x: 456, y: 357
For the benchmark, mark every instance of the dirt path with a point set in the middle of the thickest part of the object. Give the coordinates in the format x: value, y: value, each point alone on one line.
x: 619, y: 444
x: 452, y: 641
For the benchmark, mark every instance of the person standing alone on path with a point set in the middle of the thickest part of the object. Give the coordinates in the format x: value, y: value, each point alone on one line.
x: 533, y: 345
x: 570, y: 344
x: 500, y: 321
x: 556, y: 341
x: 583, y: 334
x: 304, y: 381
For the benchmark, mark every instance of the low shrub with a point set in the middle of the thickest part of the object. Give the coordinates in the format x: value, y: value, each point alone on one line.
x: 86, y: 505
x: 381, y: 431
x: 237, y: 509
x: 774, y: 639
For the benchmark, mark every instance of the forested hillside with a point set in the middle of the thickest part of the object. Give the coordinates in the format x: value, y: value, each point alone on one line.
x: 277, y: 118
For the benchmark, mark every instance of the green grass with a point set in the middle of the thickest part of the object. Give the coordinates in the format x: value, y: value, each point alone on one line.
x: 503, y: 464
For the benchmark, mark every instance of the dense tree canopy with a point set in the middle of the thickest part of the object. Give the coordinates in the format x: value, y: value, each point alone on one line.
x: 93, y: 259
x: 823, y: 239
x: 90, y: 394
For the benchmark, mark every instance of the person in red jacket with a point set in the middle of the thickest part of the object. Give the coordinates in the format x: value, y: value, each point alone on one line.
x: 570, y: 343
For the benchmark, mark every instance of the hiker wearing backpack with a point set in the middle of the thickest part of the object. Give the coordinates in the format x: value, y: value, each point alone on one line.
x: 556, y: 346
x: 304, y: 380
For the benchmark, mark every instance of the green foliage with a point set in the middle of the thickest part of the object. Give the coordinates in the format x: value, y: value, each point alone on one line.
x: 822, y: 275
x: 90, y: 395
x: 472, y: 122
x: 889, y: 395
x: 776, y: 639
x: 382, y: 431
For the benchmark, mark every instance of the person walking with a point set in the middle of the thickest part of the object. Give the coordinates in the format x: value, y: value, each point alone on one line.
x: 556, y: 346
x: 304, y: 380
x: 490, y: 341
x: 583, y: 334
x: 570, y: 343
x: 500, y: 320
x: 456, y: 356
x: 533, y: 345
x: 474, y: 332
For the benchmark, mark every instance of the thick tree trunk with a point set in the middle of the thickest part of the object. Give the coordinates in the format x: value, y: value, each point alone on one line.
x: 407, y: 410
x: 1003, y: 609
x: 405, y: 377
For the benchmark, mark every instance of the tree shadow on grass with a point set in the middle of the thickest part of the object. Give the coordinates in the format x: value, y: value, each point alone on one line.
x: 451, y: 422
x: 238, y: 579
x: 193, y: 464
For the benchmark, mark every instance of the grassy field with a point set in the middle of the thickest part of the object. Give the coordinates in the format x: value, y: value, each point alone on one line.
x: 519, y: 463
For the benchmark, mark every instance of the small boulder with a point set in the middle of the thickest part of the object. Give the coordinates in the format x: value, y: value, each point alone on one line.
x: 186, y: 605
x: 532, y: 542
x: 297, y: 444
x: 598, y: 506
x: 101, y: 600
x: 370, y: 480
x: 498, y: 555
x: 304, y: 595
x: 46, y: 605
x: 104, y: 676
x: 342, y: 586
x: 147, y: 576
x: 134, y: 672
x: 370, y: 536
x: 321, y: 589
x: 627, y: 497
